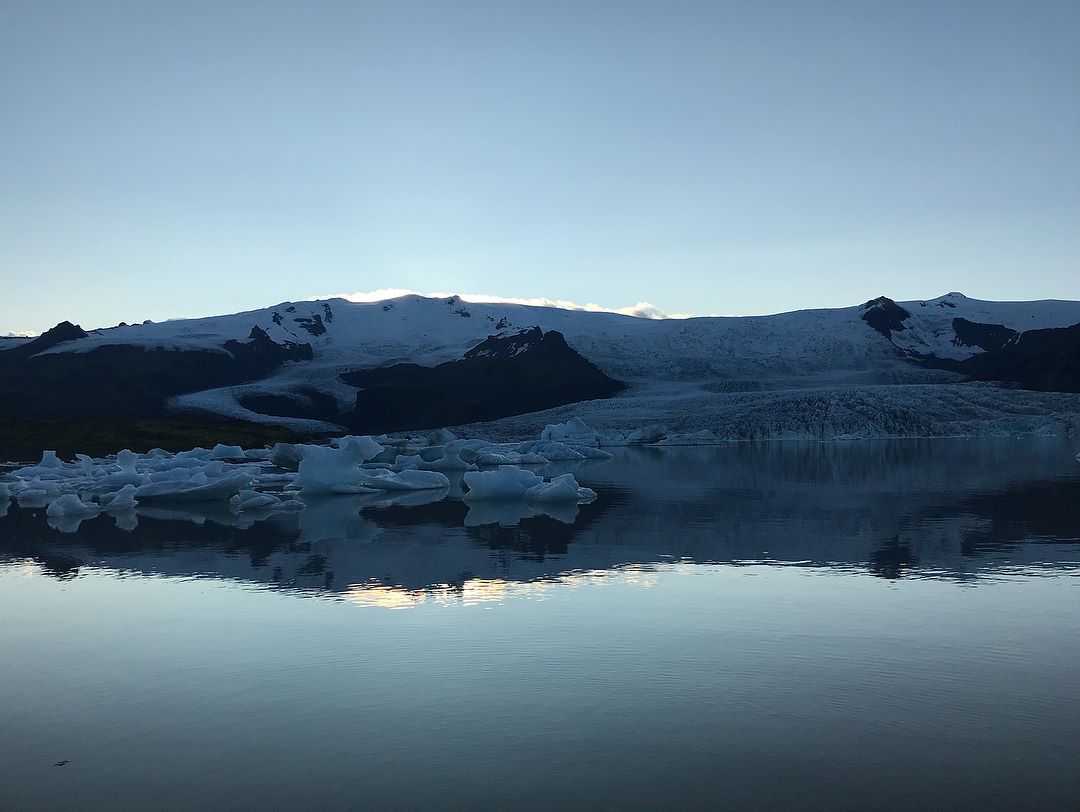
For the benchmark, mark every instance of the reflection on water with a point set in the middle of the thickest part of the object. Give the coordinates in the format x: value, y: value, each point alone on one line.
x: 774, y: 625
x: 949, y: 509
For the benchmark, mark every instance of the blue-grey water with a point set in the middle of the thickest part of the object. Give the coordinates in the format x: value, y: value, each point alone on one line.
x: 837, y: 625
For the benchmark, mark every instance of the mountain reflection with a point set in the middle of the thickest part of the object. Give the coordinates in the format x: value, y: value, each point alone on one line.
x: 944, y: 509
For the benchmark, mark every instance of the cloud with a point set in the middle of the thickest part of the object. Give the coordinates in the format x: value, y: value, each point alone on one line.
x: 641, y: 310
x: 21, y: 334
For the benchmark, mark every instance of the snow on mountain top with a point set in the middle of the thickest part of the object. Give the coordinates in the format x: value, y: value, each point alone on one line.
x: 427, y: 330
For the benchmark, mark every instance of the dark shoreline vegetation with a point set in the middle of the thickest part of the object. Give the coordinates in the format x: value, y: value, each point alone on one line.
x: 24, y: 440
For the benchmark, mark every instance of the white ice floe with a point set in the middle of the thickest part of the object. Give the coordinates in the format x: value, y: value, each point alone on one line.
x: 502, y: 483
x: 286, y: 456
x: 562, y: 488
x: 198, y: 488
x: 450, y: 460
x: 71, y: 506
x: 363, y: 444
x: 325, y: 469
x: 226, y: 452
x: 515, y: 484
x: 252, y: 500
x: 408, y: 479
x: 123, y: 499
x: 574, y: 431
x: 550, y: 451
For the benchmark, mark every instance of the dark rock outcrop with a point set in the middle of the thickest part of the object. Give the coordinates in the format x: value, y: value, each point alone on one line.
x: 64, y: 331
x: 987, y: 337
x: 503, y: 375
x: 126, y: 380
x: 1046, y: 360
x: 885, y: 316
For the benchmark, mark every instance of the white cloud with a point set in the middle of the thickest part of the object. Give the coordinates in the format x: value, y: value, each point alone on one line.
x: 641, y: 310
x: 21, y: 334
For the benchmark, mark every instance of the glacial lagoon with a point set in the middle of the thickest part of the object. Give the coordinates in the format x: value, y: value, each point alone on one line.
x: 847, y: 624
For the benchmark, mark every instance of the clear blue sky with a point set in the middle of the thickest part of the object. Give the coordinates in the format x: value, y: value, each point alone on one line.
x: 185, y: 158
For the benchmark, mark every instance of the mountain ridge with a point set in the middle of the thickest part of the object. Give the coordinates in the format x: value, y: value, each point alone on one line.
x: 249, y: 365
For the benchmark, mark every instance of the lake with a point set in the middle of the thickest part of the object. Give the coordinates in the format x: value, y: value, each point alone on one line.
x: 847, y: 625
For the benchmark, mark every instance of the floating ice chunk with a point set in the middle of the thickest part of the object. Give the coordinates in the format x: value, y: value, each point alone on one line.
x: 450, y: 461
x: 87, y: 465
x: 498, y: 458
x: 560, y: 489
x: 198, y: 453
x: 50, y: 466
x: 127, y: 475
x: 33, y: 498
x: 574, y: 431
x: 71, y: 506
x: 251, y: 500
x: 387, y: 455
x: 611, y: 438
x: 35, y: 493
x: 404, y: 462
x: 225, y: 452
x: 324, y: 469
x: 407, y: 480
x: 5, y: 490
x: 286, y: 456
x: 123, y: 499
x: 196, y: 489
x: 646, y: 434
x: 502, y: 483
x: 551, y: 451
x: 440, y: 437
x: 364, y: 445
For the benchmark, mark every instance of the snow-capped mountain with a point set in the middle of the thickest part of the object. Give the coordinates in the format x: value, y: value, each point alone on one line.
x: 424, y: 361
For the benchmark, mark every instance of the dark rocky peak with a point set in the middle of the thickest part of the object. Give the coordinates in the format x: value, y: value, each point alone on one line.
x: 64, y: 331
x: 987, y: 337
x: 503, y: 375
x: 885, y: 316
x: 260, y: 354
x: 313, y: 324
x: 509, y: 345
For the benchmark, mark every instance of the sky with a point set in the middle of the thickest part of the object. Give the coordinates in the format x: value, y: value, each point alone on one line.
x: 167, y: 159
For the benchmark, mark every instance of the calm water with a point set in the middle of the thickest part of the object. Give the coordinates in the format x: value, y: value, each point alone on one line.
x: 812, y: 625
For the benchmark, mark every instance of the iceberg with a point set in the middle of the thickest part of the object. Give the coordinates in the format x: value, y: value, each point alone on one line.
x: 71, y: 506
x: 252, y: 500
x: 574, y: 431
x: 516, y: 484
x: 225, y: 452
x: 560, y: 489
x: 502, y: 483
x: 324, y: 469
x: 123, y: 499
x: 196, y: 489
x: 409, y: 479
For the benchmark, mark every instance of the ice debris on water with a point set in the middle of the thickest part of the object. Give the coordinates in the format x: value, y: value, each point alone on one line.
x: 250, y: 484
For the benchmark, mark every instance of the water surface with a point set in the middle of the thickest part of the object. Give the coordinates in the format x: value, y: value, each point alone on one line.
x: 842, y: 624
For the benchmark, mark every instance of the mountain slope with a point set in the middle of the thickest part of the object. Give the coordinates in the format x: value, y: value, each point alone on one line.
x: 320, y: 365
